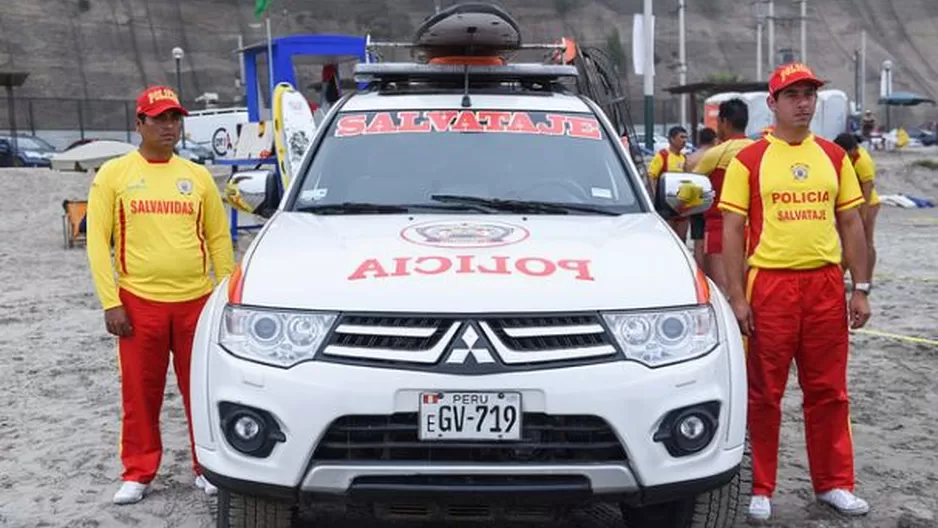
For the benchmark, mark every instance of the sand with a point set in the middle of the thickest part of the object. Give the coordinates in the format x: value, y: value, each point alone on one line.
x: 60, y: 410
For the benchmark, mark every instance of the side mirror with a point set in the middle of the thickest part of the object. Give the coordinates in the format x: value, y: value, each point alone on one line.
x: 681, y: 194
x: 5, y: 146
x: 254, y: 192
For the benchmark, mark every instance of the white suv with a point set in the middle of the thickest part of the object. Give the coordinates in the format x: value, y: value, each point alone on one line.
x: 467, y: 306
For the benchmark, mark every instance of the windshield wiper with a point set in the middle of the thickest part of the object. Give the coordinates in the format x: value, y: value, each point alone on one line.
x: 374, y: 208
x: 353, y: 208
x: 522, y: 206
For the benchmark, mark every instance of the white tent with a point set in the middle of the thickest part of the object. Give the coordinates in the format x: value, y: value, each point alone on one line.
x: 90, y: 155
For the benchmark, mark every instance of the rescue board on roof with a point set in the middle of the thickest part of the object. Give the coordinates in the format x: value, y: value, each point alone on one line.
x: 294, y: 128
x: 470, y: 28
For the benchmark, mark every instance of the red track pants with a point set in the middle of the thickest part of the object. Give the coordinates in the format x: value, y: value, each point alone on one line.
x: 158, y: 327
x: 800, y: 315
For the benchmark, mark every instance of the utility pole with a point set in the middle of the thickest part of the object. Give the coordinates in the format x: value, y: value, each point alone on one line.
x: 178, y: 54
x: 759, y: 24
x: 241, y: 59
x: 682, y: 54
x: 771, y: 18
x: 887, y: 88
x: 804, y: 29
x: 862, y: 94
x: 649, y: 88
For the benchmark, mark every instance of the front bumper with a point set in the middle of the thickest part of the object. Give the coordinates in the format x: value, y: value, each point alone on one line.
x: 308, y: 398
x: 561, y: 484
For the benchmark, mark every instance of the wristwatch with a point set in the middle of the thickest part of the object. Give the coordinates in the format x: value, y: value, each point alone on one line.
x: 864, y: 287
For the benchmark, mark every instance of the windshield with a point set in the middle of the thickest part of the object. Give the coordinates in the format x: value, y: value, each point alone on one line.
x: 417, y: 157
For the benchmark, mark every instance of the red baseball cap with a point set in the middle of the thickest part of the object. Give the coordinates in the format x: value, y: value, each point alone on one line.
x: 158, y: 99
x: 789, y: 74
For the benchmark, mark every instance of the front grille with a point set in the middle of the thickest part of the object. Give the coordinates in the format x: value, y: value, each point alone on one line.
x: 391, y: 333
x: 526, y: 334
x: 465, y: 512
x: 544, y: 439
x: 419, y: 341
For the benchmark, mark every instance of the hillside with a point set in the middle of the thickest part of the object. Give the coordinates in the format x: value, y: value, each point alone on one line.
x: 103, y: 49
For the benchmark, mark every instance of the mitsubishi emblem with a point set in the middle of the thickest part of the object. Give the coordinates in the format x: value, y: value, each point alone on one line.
x: 470, y: 338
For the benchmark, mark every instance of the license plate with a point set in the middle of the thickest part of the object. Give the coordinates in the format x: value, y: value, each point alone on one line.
x: 470, y: 416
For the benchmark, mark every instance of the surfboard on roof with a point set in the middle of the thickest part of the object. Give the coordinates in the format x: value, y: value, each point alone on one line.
x: 473, y: 28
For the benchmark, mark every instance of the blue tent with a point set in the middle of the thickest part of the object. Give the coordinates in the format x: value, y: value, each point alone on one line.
x: 324, y: 49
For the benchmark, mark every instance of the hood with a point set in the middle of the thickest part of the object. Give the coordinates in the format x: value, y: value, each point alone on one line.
x: 467, y: 263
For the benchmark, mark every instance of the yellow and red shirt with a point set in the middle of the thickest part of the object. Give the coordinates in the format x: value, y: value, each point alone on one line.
x: 665, y: 161
x: 865, y: 168
x: 166, y: 219
x: 790, y: 194
x: 714, y: 163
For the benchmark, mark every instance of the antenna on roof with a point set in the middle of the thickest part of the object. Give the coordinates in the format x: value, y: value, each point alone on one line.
x: 466, y: 102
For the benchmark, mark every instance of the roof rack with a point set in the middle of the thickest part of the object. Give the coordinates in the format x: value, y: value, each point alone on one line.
x: 409, y: 71
x: 423, y: 53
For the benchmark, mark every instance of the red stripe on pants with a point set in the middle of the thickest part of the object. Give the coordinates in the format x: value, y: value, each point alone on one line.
x: 158, y: 328
x: 800, y: 315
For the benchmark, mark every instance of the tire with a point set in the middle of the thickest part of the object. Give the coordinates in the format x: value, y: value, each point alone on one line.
x: 723, y: 507
x: 244, y: 511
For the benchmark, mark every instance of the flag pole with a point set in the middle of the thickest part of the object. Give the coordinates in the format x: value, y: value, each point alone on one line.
x: 270, y: 66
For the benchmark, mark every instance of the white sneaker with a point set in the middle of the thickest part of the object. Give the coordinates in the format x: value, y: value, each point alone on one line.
x: 844, y: 502
x: 130, y: 492
x: 203, y: 484
x: 760, y: 508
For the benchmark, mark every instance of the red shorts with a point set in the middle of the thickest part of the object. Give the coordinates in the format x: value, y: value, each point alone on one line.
x: 713, y: 236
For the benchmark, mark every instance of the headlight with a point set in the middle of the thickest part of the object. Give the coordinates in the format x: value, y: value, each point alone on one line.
x: 280, y: 338
x: 665, y: 337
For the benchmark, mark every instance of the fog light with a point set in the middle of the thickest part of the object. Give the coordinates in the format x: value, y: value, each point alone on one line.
x: 689, y: 430
x: 250, y: 431
x: 692, y: 427
x: 692, y: 432
x: 247, y: 428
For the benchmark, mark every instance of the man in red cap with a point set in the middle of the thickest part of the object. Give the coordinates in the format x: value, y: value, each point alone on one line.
x: 796, y: 190
x: 165, y: 217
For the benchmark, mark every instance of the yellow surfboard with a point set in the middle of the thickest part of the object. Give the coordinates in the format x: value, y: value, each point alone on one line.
x: 294, y: 128
x: 279, y: 140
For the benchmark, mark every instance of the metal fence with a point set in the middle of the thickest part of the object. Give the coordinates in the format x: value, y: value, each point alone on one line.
x: 76, y: 118
x: 73, y: 119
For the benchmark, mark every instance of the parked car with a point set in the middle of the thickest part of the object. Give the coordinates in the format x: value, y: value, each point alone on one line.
x: 30, y: 151
x: 926, y: 137
x: 196, y: 153
x: 466, y: 301
x: 661, y: 143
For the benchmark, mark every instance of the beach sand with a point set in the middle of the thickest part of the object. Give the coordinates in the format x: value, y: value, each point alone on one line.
x: 60, y: 407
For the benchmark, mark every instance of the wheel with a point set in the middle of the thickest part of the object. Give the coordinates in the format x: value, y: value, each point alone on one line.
x: 244, y: 511
x: 722, y: 507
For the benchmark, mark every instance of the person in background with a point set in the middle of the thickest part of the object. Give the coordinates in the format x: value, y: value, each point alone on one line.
x: 732, y: 120
x: 706, y: 139
x: 169, y: 227
x: 330, y: 86
x: 867, y: 125
x: 865, y: 168
x: 670, y: 159
x: 796, y: 190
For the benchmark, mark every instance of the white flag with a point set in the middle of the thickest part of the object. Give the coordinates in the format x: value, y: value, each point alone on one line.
x: 638, y: 44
